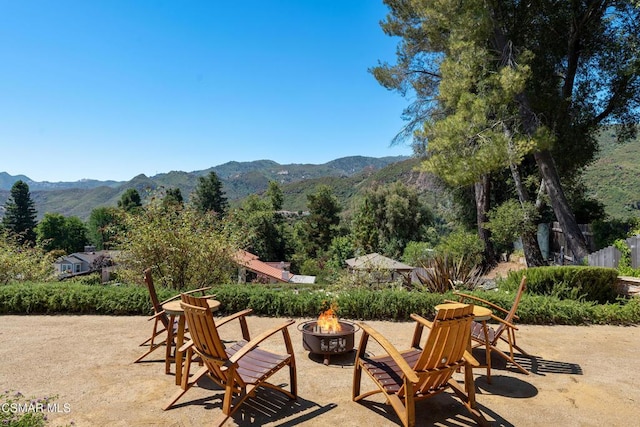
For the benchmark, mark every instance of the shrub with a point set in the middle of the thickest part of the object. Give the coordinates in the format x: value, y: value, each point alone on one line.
x: 354, y: 303
x: 182, y: 246
x: 462, y: 244
x: 568, y: 282
x: 20, y: 263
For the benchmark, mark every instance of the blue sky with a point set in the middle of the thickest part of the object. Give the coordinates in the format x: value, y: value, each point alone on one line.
x: 111, y: 89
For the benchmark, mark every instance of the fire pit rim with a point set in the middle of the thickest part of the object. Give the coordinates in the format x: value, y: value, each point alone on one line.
x: 354, y: 325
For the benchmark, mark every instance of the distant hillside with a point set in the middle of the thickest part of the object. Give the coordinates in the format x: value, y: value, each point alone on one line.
x: 614, y: 178
x: 348, y: 188
x: 239, y: 179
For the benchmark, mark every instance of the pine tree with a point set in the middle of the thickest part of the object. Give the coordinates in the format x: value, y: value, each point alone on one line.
x: 20, y: 214
x: 208, y: 195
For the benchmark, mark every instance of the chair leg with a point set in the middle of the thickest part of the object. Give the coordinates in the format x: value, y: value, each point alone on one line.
x: 357, y: 376
x: 293, y: 379
x: 151, y: 340
x: 185, y: 387
x: 468, y: 400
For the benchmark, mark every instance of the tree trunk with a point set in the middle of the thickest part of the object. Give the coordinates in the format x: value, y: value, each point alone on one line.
x: 530, y: 246
x: 576, y: 242
x: 482, y: 192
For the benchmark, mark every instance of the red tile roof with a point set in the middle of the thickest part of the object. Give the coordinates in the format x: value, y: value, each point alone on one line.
x: 251, y: 262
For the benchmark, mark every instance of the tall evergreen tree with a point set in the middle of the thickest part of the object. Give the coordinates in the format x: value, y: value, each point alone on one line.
x: 321, y: 225
x: 173, y: 198
x: 130, y: 201
x: 20, y: 214
x: 582, y: 71
x: 103, y: 226
x: 208, y: 195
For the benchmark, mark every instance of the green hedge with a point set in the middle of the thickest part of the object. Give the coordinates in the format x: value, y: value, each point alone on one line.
x: 388, y: 304
x: 595, y: 284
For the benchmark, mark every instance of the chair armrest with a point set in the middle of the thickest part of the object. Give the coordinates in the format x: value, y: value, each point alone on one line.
x: 421, y: 320
x: 483, y: 301
x: 408, y: 372
x: 257, y: 340
x: 468, y: 357
x: 504, y: 322
x: 233, y: 316
x: 197, y: 290
x: 175, y: 297
x: 158, y: 314
x: 241, y: 316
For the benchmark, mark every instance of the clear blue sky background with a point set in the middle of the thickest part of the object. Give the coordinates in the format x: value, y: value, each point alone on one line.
x: 108, y: 89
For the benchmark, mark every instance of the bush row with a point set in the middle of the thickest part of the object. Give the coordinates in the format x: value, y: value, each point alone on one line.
x: 595, y: 284
x: 362, y: 304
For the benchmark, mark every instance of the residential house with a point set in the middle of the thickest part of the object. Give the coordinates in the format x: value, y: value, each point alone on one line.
x: 79, y: 263
x: 381, y: 268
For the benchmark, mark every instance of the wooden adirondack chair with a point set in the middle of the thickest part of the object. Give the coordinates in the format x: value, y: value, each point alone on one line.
x: 505, y: 331
x: 242, y: 367
x: 160, y: 318
x: 405, y: 377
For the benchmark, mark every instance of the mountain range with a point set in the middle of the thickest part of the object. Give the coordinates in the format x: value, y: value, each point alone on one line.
x: 239, y: 179
x: 613, y: 179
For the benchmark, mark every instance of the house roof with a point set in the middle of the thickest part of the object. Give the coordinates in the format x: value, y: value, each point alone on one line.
x: 253, y: 263
x: 88, y: 257
x: 376, y: 261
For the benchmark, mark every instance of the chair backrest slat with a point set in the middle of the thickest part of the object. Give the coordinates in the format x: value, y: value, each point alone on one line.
x: 202, y: 328
x: 445, y: 346
x: 155, y: 302
x: 512, y: 312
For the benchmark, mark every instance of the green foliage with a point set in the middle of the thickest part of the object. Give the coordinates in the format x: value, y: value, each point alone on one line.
x: 74, y: 298
x: 624, y: 265
x: 461, y: 244
x: 130, y: 201
x: 353, y: 303
x: 509, y: 221
x: 606, y: 232
x: 442, y: 273
x: 103, y: 226
x: 262, y: 230
x: 321, y: 225
x: 387, y: 218
x: 614, y: 177
x: 64, y: 233
x: 21, y: 262
x: 208, y: 195
x: 19, y: 219
x: 417, y: 253
x: 184, y: 247
x: 341, y: 249
x: 275, y: 196
x: 173, y: 199
x: 595, y: 284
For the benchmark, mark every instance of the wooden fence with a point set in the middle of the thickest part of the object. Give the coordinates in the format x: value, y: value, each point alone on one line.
x: 558, y: 244
x: 610, y: 256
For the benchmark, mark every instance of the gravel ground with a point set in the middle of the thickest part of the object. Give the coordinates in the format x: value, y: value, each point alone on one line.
x: 581, y: 376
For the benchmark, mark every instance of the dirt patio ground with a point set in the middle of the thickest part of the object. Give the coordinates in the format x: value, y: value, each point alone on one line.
x: 581, y: 376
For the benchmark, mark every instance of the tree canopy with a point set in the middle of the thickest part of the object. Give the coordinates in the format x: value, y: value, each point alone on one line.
x: 56, y: 231
x: 501, y: 82
x: 209, y: 196
x: 20, y: 214
x: 130, y: 200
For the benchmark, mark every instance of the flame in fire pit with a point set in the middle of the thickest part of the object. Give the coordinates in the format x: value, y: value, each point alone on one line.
x: 328, y: 322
